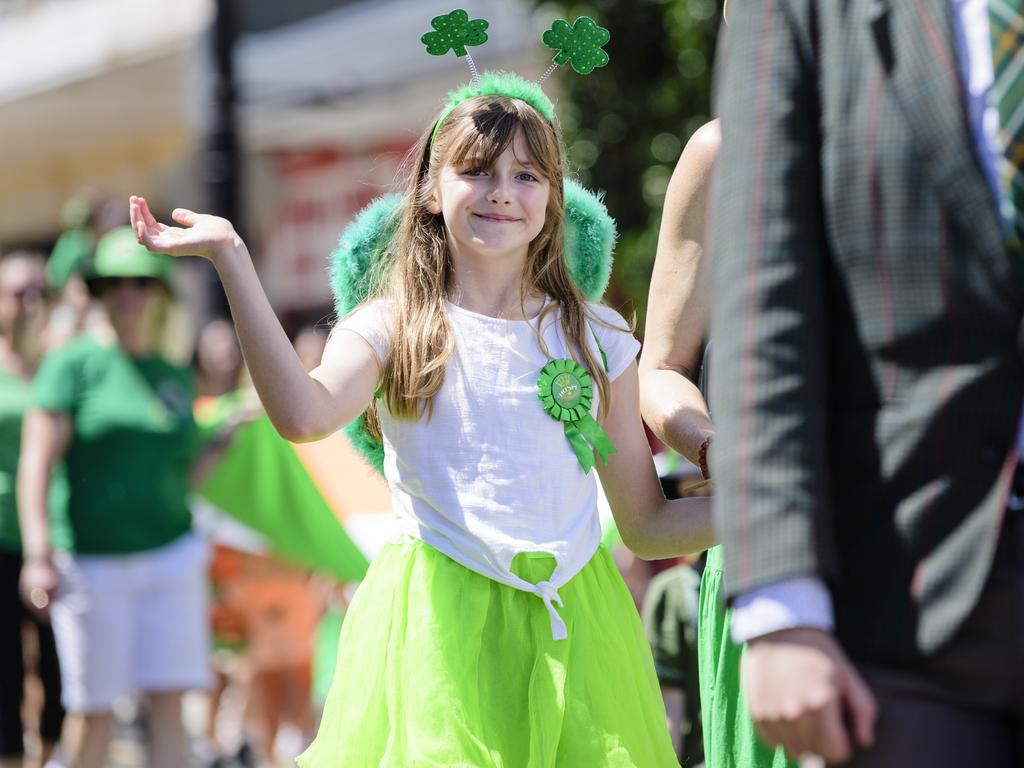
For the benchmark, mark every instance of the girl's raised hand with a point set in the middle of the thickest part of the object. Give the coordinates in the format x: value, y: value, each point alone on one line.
x: 200, y: 234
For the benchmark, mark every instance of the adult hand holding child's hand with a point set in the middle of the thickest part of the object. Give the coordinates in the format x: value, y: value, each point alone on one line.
x: 200, y: 234
x: 800, y: 688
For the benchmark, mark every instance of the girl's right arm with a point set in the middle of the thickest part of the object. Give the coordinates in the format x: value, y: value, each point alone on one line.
x: 302, y: 405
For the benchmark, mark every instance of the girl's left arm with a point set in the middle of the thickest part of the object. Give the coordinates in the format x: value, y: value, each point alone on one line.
x: 650, y: 525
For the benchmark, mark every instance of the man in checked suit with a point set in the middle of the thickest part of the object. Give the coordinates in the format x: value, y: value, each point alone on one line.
x: 869, y: 374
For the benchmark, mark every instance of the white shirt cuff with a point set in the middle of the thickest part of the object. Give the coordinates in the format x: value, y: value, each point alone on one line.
x: 803, y: 601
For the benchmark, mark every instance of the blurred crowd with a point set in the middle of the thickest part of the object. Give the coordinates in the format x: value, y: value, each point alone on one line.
x: 129, y: 588
x: 112, y: 588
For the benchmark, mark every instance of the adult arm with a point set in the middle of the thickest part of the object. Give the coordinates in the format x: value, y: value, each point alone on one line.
x: 44, y: 439
x: 678, y: 304
x: 772, y: 504
x: 651, y: 526
x: 302, y: 405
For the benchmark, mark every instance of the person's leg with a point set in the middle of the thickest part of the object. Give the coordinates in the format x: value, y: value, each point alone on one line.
x: 12, y: 666
x: 915, y: 730
x: 12, y: 686
x: 170, y: 643
x: 168, y: 741
x: 208, y: 747
x: 95, y: 740
x: 86, y: 738
x: 264, y: 710
x: 299, y: 711
x: 957, y: 707
x: 51, y: 718
x: 92, y: 630
x: 89, y: 741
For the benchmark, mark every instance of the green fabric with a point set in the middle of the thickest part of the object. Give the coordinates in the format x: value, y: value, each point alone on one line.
x: 453, y: 32
x: 565, y: 393
x: 730, y: 740
x: 15, y: 399
x: 71, y: 255
x: 440, y: 666
x: 325, y: 652
x: 262, y: 482
x: 212, y: 414
x: 1006, y: 22
x: 670, y: 611
x: 498, y: 84
x: 119, y: 254
x: 132, y: 446
x: 610, y: 536
x: 599, y: 441
x: 579, y: 45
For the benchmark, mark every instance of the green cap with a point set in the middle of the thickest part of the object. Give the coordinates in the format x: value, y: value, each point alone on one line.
x: 71, y: 254
x: 120, y: 254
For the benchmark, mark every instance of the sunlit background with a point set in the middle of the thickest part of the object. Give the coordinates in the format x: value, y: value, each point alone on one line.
x: 288, y: 117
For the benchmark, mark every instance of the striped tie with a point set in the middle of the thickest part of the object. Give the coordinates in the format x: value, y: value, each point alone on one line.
x: 1006, y: 22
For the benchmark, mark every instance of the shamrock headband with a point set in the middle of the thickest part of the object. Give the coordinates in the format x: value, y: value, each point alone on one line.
x: 579, y: 45
x: 589, y: 233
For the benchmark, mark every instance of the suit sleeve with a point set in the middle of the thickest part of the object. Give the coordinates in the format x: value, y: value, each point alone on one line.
x: 768, y: 312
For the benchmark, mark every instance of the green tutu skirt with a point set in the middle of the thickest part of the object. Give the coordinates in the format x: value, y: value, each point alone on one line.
x: 439, y: 666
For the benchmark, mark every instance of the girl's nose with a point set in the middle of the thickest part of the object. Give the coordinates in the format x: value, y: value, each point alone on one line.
x: 501, y: 190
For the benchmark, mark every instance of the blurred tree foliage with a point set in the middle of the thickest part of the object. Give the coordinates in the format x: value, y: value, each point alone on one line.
x: 625, y: 124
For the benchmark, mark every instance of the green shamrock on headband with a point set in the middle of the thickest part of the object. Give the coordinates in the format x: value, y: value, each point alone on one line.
x: 454, y: 32
x: 579, y: 45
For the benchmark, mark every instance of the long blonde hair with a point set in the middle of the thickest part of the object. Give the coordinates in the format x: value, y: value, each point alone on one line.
x: 416, y: 269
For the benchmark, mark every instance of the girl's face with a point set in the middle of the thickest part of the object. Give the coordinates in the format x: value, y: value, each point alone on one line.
x: 495, y: 211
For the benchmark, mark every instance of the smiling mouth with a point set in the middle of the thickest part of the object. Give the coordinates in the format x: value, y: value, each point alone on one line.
x: 496, y: 218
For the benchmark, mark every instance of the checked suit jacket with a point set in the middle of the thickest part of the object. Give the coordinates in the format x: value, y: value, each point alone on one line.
x: 866, y: 317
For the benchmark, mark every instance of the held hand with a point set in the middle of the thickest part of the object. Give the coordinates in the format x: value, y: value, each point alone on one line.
x: 38, y: 584
x: 799, y: 685
x: 200, y: 234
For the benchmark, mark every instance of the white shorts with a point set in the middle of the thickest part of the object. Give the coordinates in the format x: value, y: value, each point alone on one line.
x: 130, y: 623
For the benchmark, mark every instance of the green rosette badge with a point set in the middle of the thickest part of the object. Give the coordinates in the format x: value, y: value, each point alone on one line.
x: 565, y: 391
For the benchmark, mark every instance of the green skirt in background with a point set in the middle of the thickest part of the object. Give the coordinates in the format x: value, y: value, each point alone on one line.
x: 730, y: 740
x: 440, y: 666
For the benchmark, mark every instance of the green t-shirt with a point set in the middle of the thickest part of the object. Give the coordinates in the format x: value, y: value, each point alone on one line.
x: 132, y: 445
x: 15, y: 399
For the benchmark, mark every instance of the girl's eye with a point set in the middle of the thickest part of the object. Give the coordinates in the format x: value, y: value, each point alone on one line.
x: 473, y: 172
x: 526, y: 176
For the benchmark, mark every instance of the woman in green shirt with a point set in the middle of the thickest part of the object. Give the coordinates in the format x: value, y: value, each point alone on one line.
x: 22, y: 317
x: 128, y: 601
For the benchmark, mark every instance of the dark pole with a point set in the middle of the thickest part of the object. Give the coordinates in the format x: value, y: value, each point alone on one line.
x: 221, y: 166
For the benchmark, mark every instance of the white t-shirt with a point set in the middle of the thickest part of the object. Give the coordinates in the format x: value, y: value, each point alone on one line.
x: 490, y: 474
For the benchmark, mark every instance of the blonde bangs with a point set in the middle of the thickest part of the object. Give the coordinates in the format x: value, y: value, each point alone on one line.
x: 480, y: 129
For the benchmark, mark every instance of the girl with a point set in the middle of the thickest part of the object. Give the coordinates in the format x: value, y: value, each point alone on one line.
x: 492, y: 631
